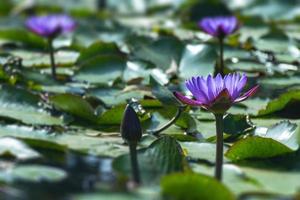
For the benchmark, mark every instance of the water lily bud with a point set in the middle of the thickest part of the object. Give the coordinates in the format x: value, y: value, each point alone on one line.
x: 131, y: 130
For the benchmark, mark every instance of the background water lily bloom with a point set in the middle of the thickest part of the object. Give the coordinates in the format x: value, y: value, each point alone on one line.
x: 50, y: 25
x: 219, y: 26
x: 216, y: 94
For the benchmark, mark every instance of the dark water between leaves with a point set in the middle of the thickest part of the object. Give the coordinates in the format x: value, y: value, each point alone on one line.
x: 84, y: 174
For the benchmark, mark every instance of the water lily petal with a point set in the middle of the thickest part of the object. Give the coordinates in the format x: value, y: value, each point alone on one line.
x: 186, y: 100
x: 248, y: 94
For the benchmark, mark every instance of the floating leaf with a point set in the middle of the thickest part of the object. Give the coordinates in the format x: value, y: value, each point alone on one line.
x: 96, y: 49
x: 279, y: 139
x: 182, y: 186
x: 237, y: 124
x: 280, y: 103
x: 25, y: 37
x: 112, y: 116
x: 200, y: 151
x: 79, y: 141
x: 113, y: 96
x: 163, y: 94
x: 41, y: 59
x: 101, y: 69
x: 37, y: 173
x: 20, y: 104
x: 74, y: 105
x: 17, y: 149
x: 162, y: 157
x: 197, y: 60
x: 161, y: 52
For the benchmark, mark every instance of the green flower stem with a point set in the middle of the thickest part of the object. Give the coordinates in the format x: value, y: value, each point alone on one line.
x: 134, y: 162
x: 52, y: 59
x: 221, y: 69
x: 169, y: 123
x: 219, y: 148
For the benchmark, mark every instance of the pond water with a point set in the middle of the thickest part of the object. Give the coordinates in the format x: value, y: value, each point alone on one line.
x: 84, y: 174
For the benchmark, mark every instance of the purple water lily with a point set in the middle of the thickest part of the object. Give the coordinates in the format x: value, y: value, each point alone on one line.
x: 50, y: 25
x: 216, y: 94
x: 219, y: 26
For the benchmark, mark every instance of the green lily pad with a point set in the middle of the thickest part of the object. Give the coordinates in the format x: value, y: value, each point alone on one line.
x: 112, y: 116
x: 37, y: 173
x: 280, y: 102
x: 277, y: 140
x: 96, y: 49
x: 114, y: 96
x: 82, y: 141
x: 182, y: 186
x: 22, y: 105
x: 24, y: 37
x: 197, y: 60
x: 16, y: 148
x: 161, y: 52
x: 163, y: 94
x: 74, y: 105
x: 200, y: 151
x: 102, y: 69
x: 162, y: 157
x: 41, y: 59
x: 237, y: 124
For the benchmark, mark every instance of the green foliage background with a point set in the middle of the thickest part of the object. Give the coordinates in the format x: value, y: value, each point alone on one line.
x: 66, y: 132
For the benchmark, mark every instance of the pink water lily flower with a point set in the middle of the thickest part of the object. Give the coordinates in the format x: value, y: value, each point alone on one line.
x: 219, y: 26
x: 216, y: 94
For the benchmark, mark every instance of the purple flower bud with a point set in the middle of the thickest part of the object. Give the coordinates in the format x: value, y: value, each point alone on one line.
x: 131, y: 130
x: 50, y: 26
x: 216, y: 94
x: 220, y: 26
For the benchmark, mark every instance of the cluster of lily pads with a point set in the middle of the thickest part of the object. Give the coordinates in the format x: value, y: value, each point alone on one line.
x: 156, y: 150
x: 213, y: 94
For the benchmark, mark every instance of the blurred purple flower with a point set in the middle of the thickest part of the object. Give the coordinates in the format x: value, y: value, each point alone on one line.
x: 216, y: 94
x: 219, y: 26
x: 50, y: 25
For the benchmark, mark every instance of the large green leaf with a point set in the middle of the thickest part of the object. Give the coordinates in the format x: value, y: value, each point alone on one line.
x: 37, y: 173
x: 83, y: 141
x: 205, y: 152
x: 96, y: 49
x: 197, y: 60
x: 16, y: 148
x: 237, y: 124
x: 112, y: 116
x: 161, y: 52
x: 102, y: 69
x: 277, y: 140
x: 74, y: 105
x: 280, y: 102
x: 23, y: 36
x: 163, y: 94
x: 264, y: 177
x: 162, y: 157
x: 182, y: 186
x: 114, y: 96
x: 22, y: 105
x: 275, y: 9
x: 41, y: 58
